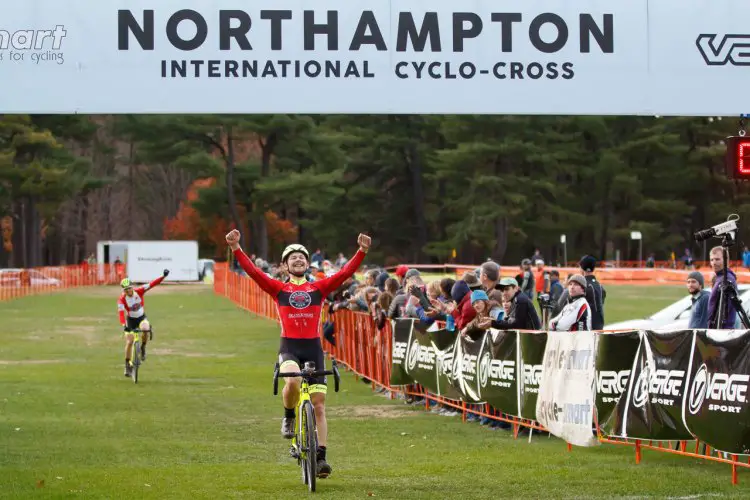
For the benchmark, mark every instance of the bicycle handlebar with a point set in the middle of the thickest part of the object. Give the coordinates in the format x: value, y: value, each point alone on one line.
x: 307, y: 375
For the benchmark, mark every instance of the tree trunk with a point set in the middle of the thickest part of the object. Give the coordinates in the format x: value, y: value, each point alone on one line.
x: 231, y: 198
x: 33, y: 233
x: 501, y: 239
x: 605, y: 220
x: 267, y: 150
x: 301, y: 232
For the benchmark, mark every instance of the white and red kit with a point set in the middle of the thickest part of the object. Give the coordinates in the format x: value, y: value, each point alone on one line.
x: 575, y: 317
x: 133, y: 307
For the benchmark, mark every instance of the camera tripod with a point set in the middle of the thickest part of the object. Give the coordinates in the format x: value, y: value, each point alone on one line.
x: 728, y: 291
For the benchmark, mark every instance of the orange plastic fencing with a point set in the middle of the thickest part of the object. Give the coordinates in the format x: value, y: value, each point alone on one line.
x: 366, y: 351
x: 16, y: 283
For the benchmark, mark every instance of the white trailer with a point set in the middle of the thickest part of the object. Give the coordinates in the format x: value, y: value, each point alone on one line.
x: 146, y: 260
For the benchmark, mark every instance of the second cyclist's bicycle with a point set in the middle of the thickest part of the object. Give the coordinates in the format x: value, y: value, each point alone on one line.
x: 136, y: 359
x: 305, y: 441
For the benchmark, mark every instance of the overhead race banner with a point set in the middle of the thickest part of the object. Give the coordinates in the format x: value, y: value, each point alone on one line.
x: 598, y: 57
x: 565, y: 404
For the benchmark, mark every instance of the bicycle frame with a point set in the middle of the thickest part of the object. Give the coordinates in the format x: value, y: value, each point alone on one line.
x: 301, y: 441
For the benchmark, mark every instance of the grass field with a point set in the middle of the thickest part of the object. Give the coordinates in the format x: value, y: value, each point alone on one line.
x: 203, y: 422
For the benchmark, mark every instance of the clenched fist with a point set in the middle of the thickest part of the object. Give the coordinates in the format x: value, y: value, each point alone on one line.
x: 233, y: 239
x: 364, y: 242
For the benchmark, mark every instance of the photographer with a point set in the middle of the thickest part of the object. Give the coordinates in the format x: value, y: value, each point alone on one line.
x: 576, y: 316
x: 717, y: 264
x: 520, y: 311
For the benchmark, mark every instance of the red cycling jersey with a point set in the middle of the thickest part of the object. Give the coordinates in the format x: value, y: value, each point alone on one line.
x: 133, y: 306
x: 299, y: 304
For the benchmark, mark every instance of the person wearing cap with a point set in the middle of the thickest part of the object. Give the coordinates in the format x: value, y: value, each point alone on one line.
x: 595, y: 292
x: 526, y: 279
x: 576, y: 316
x: 520, y: 311
x: 699, y: 297
x: 401, y: 273
x: 480, y: 302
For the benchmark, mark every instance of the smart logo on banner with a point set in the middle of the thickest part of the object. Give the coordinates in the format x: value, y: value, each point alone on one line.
x: 339, y: 42
x: 32, y: 46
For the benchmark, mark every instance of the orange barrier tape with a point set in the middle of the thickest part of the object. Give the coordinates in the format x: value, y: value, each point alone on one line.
x: 16, y: 283
x: 366, y: 352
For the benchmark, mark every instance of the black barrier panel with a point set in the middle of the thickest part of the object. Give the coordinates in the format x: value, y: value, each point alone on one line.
x: 399, y: 350
x: 716, y: 409
x: 652, y: 407
x: 530, y: 373
x: 614, y: 361
x: 498, y: 371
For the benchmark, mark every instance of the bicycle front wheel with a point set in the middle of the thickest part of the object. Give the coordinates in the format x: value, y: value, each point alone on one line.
x: 136, y: 360
x: 311, y: 443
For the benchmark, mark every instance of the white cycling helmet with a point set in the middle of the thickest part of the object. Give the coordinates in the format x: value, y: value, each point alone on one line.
x: 292, y: 249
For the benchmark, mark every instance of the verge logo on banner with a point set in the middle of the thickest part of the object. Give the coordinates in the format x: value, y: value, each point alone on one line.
x: 656, y: 388
x: 717, y: 51
x: 399, y: 347
x: 718, y: 400
x: 565, y: 405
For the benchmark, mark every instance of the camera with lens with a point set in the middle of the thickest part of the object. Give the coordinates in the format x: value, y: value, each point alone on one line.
x: 545, y: 301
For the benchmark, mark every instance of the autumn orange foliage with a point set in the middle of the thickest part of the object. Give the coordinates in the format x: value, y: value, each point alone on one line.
x: 187, y: 224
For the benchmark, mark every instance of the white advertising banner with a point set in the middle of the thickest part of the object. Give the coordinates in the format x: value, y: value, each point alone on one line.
x: 602, y: 57
x: 567, y: 391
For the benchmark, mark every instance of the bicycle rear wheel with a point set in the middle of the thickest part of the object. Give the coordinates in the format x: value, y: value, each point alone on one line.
x: 136, y: 360
x: 311, y: 443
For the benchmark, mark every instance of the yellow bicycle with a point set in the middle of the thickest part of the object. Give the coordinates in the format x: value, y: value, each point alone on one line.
x: 135, y: 358
x: 305, y: 441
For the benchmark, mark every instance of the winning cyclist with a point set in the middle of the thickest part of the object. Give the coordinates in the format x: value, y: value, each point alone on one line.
x: 299, y: 304
x: 133, y: 315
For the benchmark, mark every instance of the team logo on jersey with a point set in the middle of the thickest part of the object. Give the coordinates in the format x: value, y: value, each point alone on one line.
x: 300, y: 300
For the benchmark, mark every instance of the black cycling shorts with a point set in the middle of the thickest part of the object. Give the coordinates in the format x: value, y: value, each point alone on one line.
x: 301, y: 351
x: 134, y: 323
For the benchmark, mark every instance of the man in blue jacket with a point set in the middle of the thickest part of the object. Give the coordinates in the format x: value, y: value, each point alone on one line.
x: 699, y: 309
x: 717, y: 263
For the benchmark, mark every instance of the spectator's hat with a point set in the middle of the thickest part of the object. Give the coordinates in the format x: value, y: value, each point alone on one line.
x: 525, y: 261
x: 478, y: 295
x: 411, y: 273
x: 506, y: 282
x: 697, y: 276
x: 588, y: 263
x: 577, y: 278
x: 401, y: 271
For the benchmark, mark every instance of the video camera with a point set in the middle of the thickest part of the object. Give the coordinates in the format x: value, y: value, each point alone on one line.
x: 726, y: 229
x: 545, y: 301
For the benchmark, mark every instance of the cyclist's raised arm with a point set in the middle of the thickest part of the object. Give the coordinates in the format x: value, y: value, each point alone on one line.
x: 156, y: 282
x: 269, y: 285
x: 328, y: 285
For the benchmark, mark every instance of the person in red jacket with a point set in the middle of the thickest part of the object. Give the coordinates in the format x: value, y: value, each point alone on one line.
x: 299, y: 303
x: 131, y: 308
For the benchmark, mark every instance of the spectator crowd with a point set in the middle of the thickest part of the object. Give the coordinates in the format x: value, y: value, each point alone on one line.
x: 534, y: 299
